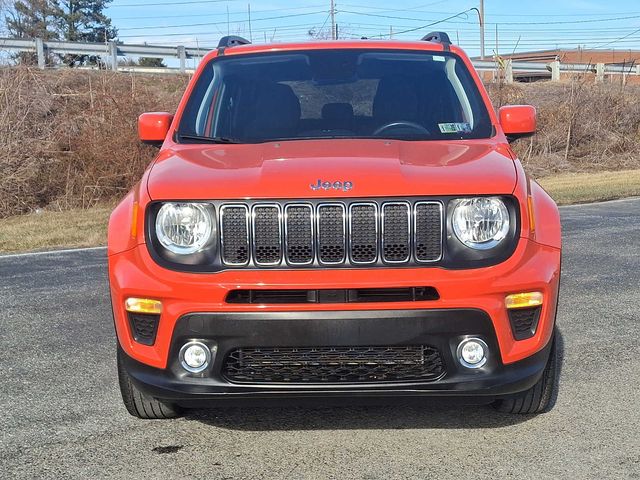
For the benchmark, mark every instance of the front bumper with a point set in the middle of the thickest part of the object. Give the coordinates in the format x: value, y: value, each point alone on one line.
x: 532, y: 267
x: 443, y: 329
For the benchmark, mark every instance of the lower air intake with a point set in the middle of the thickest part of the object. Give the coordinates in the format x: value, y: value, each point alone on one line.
x: 143, y: 327
x: 524, y: 322
x: 333, y: 364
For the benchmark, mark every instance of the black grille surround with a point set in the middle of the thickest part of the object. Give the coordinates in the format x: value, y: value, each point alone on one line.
x: 346, y: 364
x: 288, y: 234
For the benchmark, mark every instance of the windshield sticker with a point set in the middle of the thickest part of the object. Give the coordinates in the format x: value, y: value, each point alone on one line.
x: 455, y: 127
x: 438, y: 58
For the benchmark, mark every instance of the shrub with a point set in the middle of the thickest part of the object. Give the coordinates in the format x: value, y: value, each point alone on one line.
x: 68, y: 137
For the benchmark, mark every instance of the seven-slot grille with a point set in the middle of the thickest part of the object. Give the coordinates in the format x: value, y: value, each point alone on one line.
x: 331, y: 233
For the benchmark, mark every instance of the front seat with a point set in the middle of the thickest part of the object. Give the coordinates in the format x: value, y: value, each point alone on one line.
x: 396, y: 100
x: 277, y: 112
x: 337, y: 116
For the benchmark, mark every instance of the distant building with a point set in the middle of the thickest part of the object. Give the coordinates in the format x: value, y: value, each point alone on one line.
x: 579, y: 55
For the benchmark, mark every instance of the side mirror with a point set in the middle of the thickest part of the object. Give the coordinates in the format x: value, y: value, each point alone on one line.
x: 153, y: 127
x: 518, y: 121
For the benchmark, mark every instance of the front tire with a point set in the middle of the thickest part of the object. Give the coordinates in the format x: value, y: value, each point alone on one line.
x: 540, y: 397
x: 139, y: 404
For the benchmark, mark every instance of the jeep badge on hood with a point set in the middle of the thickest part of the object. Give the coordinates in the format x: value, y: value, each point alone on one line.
x: 338, y: 185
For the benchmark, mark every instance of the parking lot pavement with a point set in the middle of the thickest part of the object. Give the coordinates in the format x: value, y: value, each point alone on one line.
x: 62, y: 415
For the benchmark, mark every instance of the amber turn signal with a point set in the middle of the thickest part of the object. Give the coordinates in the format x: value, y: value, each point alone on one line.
x: 523, y: 300
x: 143, y: 305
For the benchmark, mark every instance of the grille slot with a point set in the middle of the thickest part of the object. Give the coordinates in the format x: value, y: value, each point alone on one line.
x: 331, y: 233
x: 428, y: 231
x: 396, y: 234
x: 234, y: 221
x: 299, y: 234
x: 267, y: 237
x: 363, y: 232
x: 357, y: 295
x: 345, y: 364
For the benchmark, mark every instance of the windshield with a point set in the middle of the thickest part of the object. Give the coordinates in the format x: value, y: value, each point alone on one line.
x: 335, y: 94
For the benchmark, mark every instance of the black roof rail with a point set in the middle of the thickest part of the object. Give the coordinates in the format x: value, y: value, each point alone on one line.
x: 438, y: 37
x: 232, y: 41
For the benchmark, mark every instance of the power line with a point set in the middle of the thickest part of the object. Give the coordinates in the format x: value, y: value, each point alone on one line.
x: 619, y: 39
x: 218, y: 23
x: 189, y: 2
x: 323, y: 24
x: 494, y: 23
x: 300, y: 26
x: 416, y: 8
x: 426, y: 26
x: 505, y: 30
x: 218, y: 14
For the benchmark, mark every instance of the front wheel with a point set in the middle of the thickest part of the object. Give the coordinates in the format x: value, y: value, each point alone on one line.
x: 539, y: 398
x: 139, y: 404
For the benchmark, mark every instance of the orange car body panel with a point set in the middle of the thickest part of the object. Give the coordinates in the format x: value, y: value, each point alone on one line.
x: 377, y: 168
x: 286, y: 169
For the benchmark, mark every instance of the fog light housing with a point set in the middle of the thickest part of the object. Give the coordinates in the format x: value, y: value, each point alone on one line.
x: 472, y: 352
x: 195, y: 357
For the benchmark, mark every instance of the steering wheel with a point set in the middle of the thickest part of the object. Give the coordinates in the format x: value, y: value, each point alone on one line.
x: 397, y: 125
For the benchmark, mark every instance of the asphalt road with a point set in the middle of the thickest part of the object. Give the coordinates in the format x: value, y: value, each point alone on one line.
x: 62, y: 415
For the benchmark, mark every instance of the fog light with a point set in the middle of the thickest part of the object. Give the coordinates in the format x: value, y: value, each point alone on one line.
x: 195, y: 357
x: 472, y: 352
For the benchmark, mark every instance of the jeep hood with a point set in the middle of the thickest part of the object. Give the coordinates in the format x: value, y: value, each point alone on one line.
x: 374, y: 167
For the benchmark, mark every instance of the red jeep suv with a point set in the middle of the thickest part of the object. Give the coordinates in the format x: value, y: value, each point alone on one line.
x: 335, y: 219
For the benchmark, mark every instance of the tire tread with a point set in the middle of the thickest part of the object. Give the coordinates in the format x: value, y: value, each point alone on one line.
x: 138, y: 404
x: 538, y: 398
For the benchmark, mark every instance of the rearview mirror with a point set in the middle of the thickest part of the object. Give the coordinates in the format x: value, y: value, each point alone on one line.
x: 518, y: 121
x: 153, y: 127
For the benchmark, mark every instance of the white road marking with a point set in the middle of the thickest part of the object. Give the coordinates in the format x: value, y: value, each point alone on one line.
x: 86, y: 249
x: 51, y: 252
x: 618, y: 200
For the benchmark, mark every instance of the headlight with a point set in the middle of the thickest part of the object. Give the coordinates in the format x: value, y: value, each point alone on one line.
x: 481, y: 223
x: 184, y: 228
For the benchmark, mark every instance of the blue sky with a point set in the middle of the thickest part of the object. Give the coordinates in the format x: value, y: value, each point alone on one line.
x: 521, y: 25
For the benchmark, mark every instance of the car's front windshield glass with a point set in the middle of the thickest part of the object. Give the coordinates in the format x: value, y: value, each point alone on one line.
x: 395, y: 94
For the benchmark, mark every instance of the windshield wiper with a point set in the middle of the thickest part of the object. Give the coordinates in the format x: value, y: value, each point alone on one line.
x: 203, y: 139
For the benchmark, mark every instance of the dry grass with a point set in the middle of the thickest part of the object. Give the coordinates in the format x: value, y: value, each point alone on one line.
x: 568, y: 188
x: 582, y: 127
x: 87, y: 227
x: 50, y: 230
x: 68, y: 138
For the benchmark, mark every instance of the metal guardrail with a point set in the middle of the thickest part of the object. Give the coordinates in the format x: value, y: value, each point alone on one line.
x: 113, y: 50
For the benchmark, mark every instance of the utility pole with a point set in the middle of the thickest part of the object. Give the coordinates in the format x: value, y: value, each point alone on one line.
x: 390, y: 32
x: 249, y: 12
x: 332, y: 12
x: 228, y: 23
x: 481, y: 29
